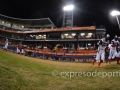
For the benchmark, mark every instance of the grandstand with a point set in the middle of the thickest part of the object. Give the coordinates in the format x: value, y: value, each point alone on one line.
x: 41, y: 38
x: 26, y: 24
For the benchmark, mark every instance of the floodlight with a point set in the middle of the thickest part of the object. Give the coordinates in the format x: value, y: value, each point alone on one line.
x: 68, y: 8
x: 114, y: 13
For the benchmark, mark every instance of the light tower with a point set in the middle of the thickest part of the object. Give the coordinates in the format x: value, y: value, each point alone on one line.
x: 68, y: 16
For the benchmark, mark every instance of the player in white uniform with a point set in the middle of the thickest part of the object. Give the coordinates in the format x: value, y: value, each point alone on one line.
x: 18, y: 50
x: 102, y: 44
x: 118, y: 52
x: 6, y: 44
x: 113, y: 49
x: 22, y: 49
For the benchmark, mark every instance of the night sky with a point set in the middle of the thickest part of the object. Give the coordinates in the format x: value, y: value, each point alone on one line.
x: 86, y: 12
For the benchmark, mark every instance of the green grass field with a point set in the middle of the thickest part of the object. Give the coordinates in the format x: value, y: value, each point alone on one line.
x: 18, y: 72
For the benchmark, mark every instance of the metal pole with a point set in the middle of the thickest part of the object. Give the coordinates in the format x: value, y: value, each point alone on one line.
x: 72, y: 18
x: 63, y: 20
x: 118, y: 21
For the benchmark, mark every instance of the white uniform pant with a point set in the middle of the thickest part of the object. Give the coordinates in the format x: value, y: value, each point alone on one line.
x: 112, y: 54
x: 100, y: 55
x: 118, y: 54
x: 22, y: 51
x: 18, y: 50
x: 6, y: 46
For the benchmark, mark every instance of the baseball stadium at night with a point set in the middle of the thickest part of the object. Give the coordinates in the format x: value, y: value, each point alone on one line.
x: 36, y: 54
x: 40, y: 37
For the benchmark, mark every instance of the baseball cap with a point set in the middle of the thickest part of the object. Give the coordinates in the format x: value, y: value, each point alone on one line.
x: 116, y: 36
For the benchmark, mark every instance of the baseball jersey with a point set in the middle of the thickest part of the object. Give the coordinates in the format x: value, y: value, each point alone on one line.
x: 119, y: 45
x: 114, y: 44
x: 102, y: 44
x: 6, y: 42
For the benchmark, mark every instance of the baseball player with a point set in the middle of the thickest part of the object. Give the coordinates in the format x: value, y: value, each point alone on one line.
x: 6, y: 44
x: 113, y: 49
x: 18, y: 49
x: 118, y: 52
x: 22, y: 49
x: 102, y: 45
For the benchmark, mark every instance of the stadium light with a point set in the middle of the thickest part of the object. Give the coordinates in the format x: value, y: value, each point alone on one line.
x: 89, y: 34
x: 22, y: 26
x: 89, y: 44
x: 82, y: 34
x: 68, y: 8
x: 73, y: 34
x: 116, y: 13
x: 65, y: 34
x: 2, y: 22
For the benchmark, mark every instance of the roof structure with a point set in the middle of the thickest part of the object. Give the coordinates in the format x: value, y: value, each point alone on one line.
x: 41, y: 23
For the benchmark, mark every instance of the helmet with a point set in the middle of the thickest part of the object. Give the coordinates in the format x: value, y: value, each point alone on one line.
x: 107, y: 35
x: 116, y: 36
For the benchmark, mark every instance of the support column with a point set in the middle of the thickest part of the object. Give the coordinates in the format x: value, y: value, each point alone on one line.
x: 86, y: 46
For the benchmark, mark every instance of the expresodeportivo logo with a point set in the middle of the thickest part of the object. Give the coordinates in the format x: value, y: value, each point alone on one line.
x: 86, y: 74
